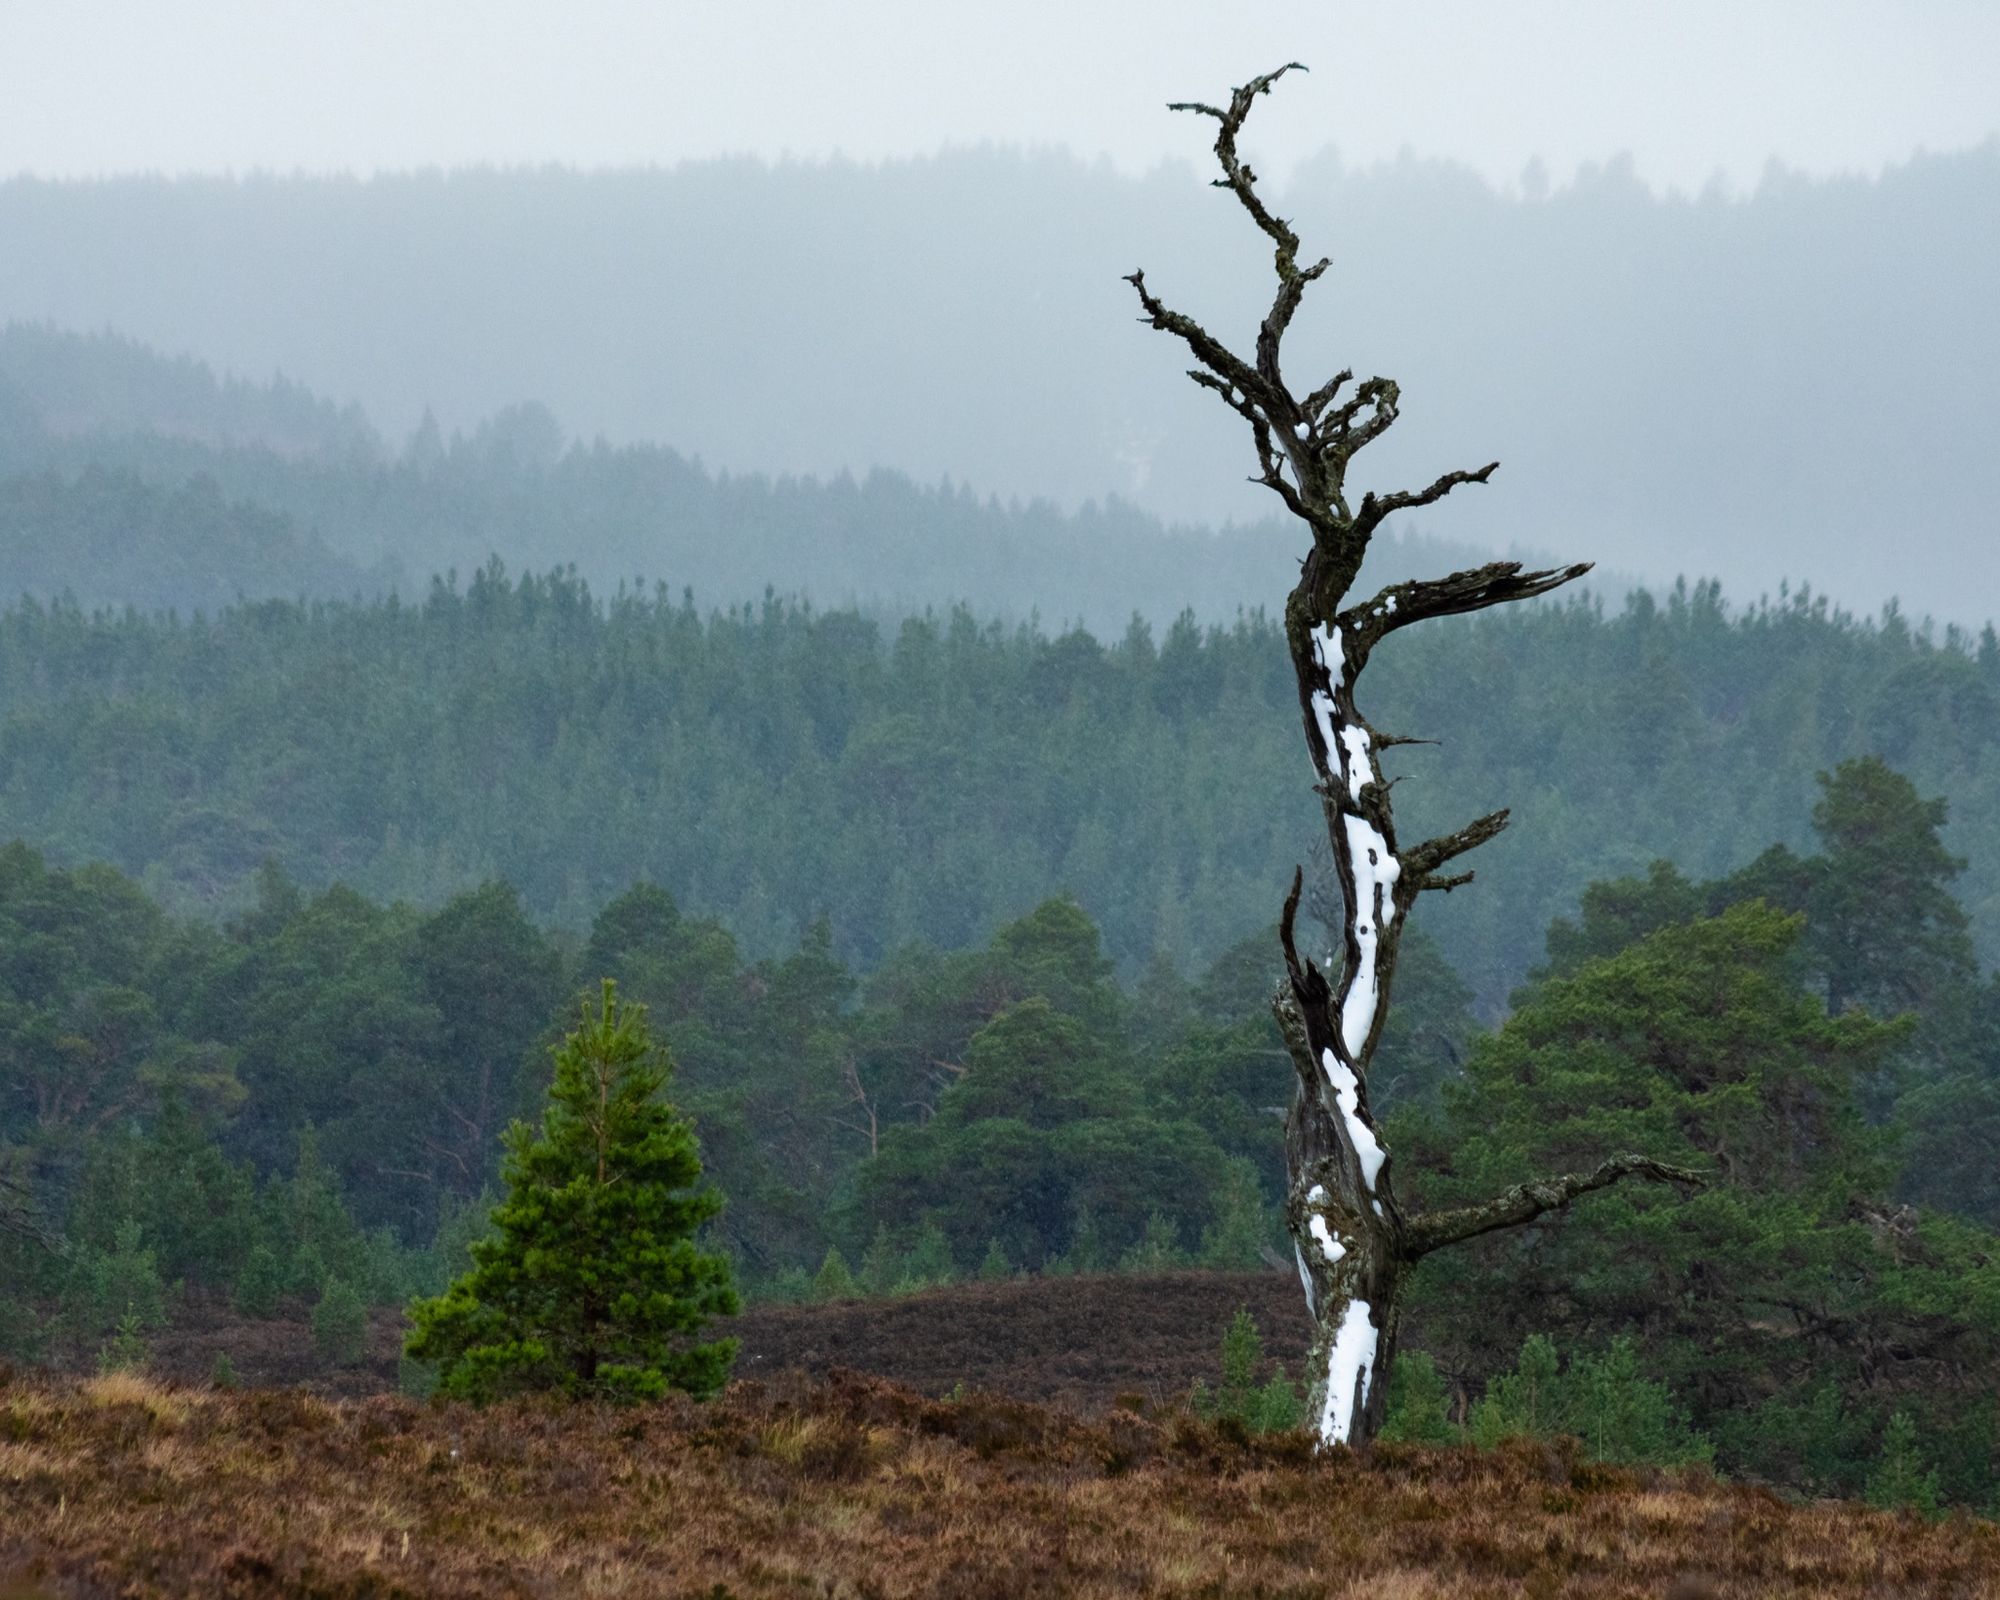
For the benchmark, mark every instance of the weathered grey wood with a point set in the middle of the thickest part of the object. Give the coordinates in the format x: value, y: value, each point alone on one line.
x: 1351, y: 1239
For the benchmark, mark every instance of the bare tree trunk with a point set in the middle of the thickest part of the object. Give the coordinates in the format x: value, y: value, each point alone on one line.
x: 1351, y: 1240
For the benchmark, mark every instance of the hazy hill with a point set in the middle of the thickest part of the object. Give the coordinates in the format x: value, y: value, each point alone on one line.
x: 337, y: 513
x: 1801, y: 381
x: 110, y: 539
x: 90, y: 388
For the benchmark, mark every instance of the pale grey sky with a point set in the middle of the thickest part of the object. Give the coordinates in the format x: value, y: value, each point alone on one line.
x: 1690, y: 87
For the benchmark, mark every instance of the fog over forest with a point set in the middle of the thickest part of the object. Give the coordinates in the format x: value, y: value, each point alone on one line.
x: 1796, y: 383
x: 654, y: 755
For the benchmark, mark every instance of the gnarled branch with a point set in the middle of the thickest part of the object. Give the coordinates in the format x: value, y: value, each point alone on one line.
x: 1210, y: 351
x: 1324, y: 395
x: 1473, y: 589
x: 1236, y: 176
x: 1376, y: 507
x: 1527, y: 1201
x: 1381, y: 398
x: 1420, y: 862
x: 1308, y: 982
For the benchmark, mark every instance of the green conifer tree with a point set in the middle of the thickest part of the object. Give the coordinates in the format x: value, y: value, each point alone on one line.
x: 834, y: 1280
x: 1242, y: 1355
x: 104, y: 1287
x: 1242, y: 1228
x: 592, y: 1282
x: 1625, y: 1417
x: 261, y: 1284
x: 928, y: 1263
x: 340, y: 1324
x: 126, y: 1350
x: 881, y: 1264
x: 1419, y: 1402
x: 1157, y: 1250
x: 1900, y: 1480
x: 1278, y: 1407
x: 1526, y: 1402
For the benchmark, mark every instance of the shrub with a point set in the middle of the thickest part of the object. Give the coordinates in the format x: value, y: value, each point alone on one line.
x: 126, y: 1350
x: 929, y: 1261
x: 834, y: 1281
x: 340, y: 1324
x: 1419, y: 1403
x: 261, y: 1285
x: 1278, y: 1407
x: 1900, y: 1480
x: 1158, y: 1249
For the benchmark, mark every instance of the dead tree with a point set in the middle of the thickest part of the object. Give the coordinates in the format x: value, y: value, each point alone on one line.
x: 1353, y: 1243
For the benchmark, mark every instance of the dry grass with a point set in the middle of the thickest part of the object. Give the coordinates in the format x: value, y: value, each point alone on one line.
x: 856, y: 1487
x: 167, y: 1405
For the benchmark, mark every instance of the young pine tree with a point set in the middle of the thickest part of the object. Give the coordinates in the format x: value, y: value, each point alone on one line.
x: 591, y: 1281
x: 1242, y: 1355
x: 1900, y: 1480
x: 834, y: 1280
x: 340, y: 1324
x: 1419, y: 1402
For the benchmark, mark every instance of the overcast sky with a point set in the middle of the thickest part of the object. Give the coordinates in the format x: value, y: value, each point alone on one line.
x: 1689, y: 87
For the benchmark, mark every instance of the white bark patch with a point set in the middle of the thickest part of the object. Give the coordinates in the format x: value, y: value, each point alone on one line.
x: 1348, y: 1365
x: 1375, y: 870
x: 1331, y: 655
x: 1371, y: 863
x: 1322, y: 704
x: 1347, y: 1092
x: 1329, y: 1246
x: 1359, y: 773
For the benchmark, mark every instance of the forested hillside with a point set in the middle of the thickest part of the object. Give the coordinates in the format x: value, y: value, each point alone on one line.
x: 101, y: 386
x: 295, y: 1114
x: 928, y: 780
x: 110, y: 539
x: 336, y: 513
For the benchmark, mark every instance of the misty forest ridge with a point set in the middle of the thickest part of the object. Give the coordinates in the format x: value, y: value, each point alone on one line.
x: 1794, y: 383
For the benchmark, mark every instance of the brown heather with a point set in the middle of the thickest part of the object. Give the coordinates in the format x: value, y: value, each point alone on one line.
x: 1080, y: 1342
x: 854, y: 1486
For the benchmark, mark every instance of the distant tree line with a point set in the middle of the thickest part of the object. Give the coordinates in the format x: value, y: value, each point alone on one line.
x: 129, y: 480
x: 929, y: 780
